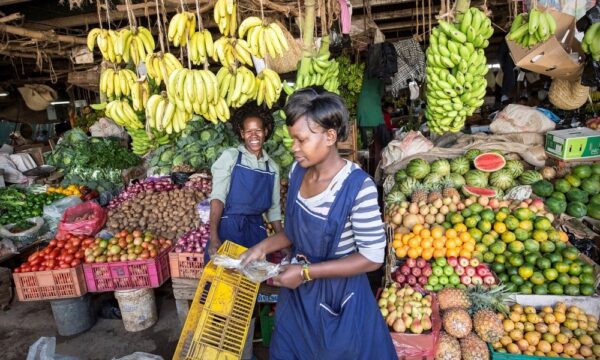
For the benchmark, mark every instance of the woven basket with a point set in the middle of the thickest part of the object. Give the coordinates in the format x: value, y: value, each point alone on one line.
x: 289, y: 61
x: 37, y: 96
x: 568, y: 94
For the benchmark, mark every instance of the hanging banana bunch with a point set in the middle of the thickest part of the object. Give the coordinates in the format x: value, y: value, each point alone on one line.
x: 140, y: 92
x: 121, y: 112
x: 160, y: 66
x: 263, y: 38
x: 181, y: 28
x: 236, y: 85
x: 163, y: 115
x: 116, y: 83
x: 225, y: 14
x: 201, y: 47
x: 268, y: 84
x: 107, y: 41
x: 135, y: 44
x: 316, y: 70
x: 228, y: 50
x: 141, y: 143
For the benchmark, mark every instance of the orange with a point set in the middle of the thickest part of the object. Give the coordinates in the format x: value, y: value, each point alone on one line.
x: 413, y: 253
x: 417, y: 228
x: 563, y: 236
x: 397, y: 236
x: 439, y: 253
x: 466, y: 253
x: 414, y: 242
x: 401, y: 252
x: 460, y: 227
x: 499, y: 227
x: 425, y: 233
x: 396, y: 243
x: 439, y: 243
x: 464, y: 236
x: 426, y: 243
x: 437, y: 232
x: 427, y: 253
x: 452, y: 252
x: 468, y: 246
x: 451, y: 243
x: 451, y: 233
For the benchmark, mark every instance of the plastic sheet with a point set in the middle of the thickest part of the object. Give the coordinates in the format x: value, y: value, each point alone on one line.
x: 591, y: 73
x: 87, y: 218
x: 257, y: 271
x: 203, y: 210
x: 54, y: 212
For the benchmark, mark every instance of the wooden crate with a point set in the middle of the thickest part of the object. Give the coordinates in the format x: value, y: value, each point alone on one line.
x: 350, y: 142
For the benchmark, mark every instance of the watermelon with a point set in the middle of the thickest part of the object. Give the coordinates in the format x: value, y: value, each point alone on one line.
x: 582, y: 171
x: 400, y: 174
x: 407, y: 185
x: 515, y: 167
x: 476, y: 178
x: 457, y: 180
x: 432, y: 179
x: 440, y: 167
x: 596, y: 168
x: 417, y: 168
x: 459, y: 165
x: 472, y: 154
x: 499, y: 192
x: 556, y: 206
x: 576, y: 209
x: 502, y: 179
x: 479, y: 191
x: 529, y: 177
x: 489, y: 162
x: 395, y: 197
x: 590, y: 186
x: 543, y: 188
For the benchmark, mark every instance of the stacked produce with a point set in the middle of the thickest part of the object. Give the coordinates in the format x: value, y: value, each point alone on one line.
x: 406, y: 310
x: 433, y: 243
x: 278, y: 147
x: 456, y: 66
x: 167, y: 214
x: 577, y: 193
x: 115, y: 83
x: 194, y: 240
x: 59, y: 254
x: 350, y: 77
x: 141, y: 143
x: 531, y: 29
x: 161, y: 65
x: 17, y: 206
x: 413, y: 272
x: 107, y: 41
x: 200, y: 183
x: 559, y: 331
x: 125, y: 246
x: 591, y: 41
x: 70, y: 190
x: 316, y: 70
x: 135, y: 44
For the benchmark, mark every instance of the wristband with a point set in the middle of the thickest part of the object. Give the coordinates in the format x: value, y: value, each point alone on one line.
x: 306, y: 273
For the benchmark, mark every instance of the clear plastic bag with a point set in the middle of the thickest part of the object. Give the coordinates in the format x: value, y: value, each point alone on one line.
x: 23, y: 237
x: 45, y: 349
x: 203, y: 210
x: 140, y: 356
x: 257, y: 271
x: 54, y: 212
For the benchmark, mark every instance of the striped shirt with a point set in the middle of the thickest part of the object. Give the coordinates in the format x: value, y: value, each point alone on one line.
x: 363, y: 231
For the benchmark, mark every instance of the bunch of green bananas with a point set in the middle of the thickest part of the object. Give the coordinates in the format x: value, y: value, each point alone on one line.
x: 456, y: 66
x: 181, y: 28
x: 530, y: 29
x: 316, y: 70
x: 591, y: 41
x: 263, y: 38
x: 121, y: 112
x: 225, y: 15
x: 237, y: 85
x: 350, y: 78
x: 141, y: 143
x: 116, y: 83
x: 160, y: 66
x: 163, y: 115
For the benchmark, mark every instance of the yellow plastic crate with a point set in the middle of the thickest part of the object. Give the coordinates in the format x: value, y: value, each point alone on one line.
x: 217, y: 323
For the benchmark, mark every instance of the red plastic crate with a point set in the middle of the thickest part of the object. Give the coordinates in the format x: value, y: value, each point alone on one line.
x: 127, y: 275
x: 186, y: 265
x: 51, y: 284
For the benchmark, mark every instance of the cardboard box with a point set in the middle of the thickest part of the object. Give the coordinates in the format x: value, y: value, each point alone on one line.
x: 572, y: 144
x: 557, y: 57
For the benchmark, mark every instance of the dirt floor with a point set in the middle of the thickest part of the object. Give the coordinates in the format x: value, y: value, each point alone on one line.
x: 25, y: 322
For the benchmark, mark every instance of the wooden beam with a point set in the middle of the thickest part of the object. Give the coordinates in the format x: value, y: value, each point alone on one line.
x: 402, y: 25
x: 397, y: 14
x: 33, y: 50
x: 49, y: 36
x: 12, y: 2
x: 11, y: 17
x: 358, y: 4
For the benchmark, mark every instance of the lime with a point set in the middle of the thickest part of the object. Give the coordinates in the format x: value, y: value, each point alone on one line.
x: 587, y: 269
x: 550, y: 274
x: 441, y: 261
x: 485, y: 226
x: 476, y: 234
x: 476, y: 208
x: 508, y: 237
x: 511, y: 222
x: 488, y: 257
x: 553, y: 235
x: 562, y: 267
x: 501, y: 216
x: 454, y: 279
x: 587, y: 279
x: 543, y: 263
x: 471, y: 222
x: 505, y: 210
x: 433, y: 280
x: 487, y: 239
x: 522, y: 234
x: 446, y: 225
x: 531, y: 258
x: 537, y: 278
x: 572, y: 290
x: 587, y: 289
x: 516, y: 260
x: 517, y: 280
x: 540, y: 289
x: 510, y: 287
x: 511, y: 270
x: 504, y: 278
x: 547, y: 247
x: 516, y: 247
x: 448, y: 270
x: 457, y: 219
x: 554, y: 257
x: 498, y: 268
x: 522, y: 213
x: 555, y: 288
x: 488, y: 214
x: 540, y: 235
x: 574, y: 280
x: 526, y: 289
x: 500, y: 258
x: 563, y: 279
x: 482, y: 248
x: 570, y: 253
x: 443, y: 280
x: 526, y: 271
x: 560, y: 245
x: 575, y: 269
x: 466, y: 213
x: 531, y: 246
x: 542, y: 223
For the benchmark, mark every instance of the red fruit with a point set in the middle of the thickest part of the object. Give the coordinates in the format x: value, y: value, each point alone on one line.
x: 474, y: 262
x: 411, y: 262
x: 463, y: 261
x: 411, y: 279
x: 421, y: 263
x: 416, y: 271
x: 489, y: 280
x: 476, y: 280
x: 427, y: 271
x: 400, y: 279
x: 452, y: 261
x: 422, y: 280
x: 459, y: 270
x: 465, y: 279
x: 470, y: 271
x: 405, y: 270
x: 482, y: 270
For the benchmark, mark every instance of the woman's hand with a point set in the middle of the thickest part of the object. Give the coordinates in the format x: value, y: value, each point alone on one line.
x: 214, y: 245
x: 291, y: 277
x: 255, y: 253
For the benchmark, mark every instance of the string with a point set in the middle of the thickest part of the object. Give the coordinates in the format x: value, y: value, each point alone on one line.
x: 99, y: 14
x: 160, y: 30
x: 423, y: 14
x: 300, y: 19
x: 200, y: 24
x: 107, y: 13
x: 187, y: 42
x: 164, y: 21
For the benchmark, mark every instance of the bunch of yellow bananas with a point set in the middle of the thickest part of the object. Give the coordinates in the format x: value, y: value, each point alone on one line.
x: 163, y: 115
x: 141, y: 143
x: 107, y: 41
x: 228, y: 50
x: 116, y: 83
x: 120, y: 112
x: 225, y: 15
x: 135, y: 44
x: 268, y: 86
x: 263, y: 38
x: 160, y: 66
x: 236, y: 85
x: 181, y: 28
x: 140, y: 92
x: 201, y: 47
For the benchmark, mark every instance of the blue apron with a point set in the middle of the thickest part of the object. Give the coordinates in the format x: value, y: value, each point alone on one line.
x: 250, y: 195
x: 334, y: 318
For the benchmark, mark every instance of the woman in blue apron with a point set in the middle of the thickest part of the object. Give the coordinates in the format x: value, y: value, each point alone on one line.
x: 326, y: 309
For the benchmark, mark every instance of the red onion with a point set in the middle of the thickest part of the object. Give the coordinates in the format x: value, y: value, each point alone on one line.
x: 149, y: 185
x: 194, y: 241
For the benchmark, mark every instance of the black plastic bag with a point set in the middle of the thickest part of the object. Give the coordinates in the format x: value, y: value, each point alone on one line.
x: 591, y: 73
x: 180, y: 178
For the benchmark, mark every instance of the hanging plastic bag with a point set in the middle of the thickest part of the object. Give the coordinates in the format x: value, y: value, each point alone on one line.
x: 87, y: 218
x: 257, y: 271
x: 54, y: 212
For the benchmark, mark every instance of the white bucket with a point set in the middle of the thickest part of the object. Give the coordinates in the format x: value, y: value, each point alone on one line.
x: 138, y: 308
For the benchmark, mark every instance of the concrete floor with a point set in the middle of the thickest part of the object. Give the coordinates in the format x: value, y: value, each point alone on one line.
x: 25, y: 322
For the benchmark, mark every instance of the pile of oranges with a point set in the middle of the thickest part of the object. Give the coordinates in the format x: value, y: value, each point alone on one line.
x: 435, y: 242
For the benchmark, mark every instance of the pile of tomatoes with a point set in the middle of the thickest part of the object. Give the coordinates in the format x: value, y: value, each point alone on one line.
x: 59, y: 254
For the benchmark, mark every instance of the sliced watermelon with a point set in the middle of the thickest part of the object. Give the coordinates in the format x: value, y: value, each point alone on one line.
x: 489, y: 162
x: 479, y: 191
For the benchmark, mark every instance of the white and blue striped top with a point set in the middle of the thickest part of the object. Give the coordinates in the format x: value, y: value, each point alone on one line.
x: 364, y: 229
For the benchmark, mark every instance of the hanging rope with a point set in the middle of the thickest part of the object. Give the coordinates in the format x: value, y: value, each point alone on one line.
x: 130, y: 15
x: 300, y: 20
x: 160, y: 29
x: 107, y: 13
x: 164, y: 21
x: 98, y: 11
x: 417, y: 16
x: 200, y: 24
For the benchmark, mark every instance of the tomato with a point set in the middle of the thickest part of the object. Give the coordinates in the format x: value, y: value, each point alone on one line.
x: 53, y: 242
x: 64, y: 266
x: 72, y: 251
x: 35, y: 268
x: 75, y: 262
x: 60, y: 244
x: 76, y: 242
x: 90, y: 259
x: 33, y: 256
x: 51, y: 263
x: 79, y: 255
x: 41, y: 268
x: 68, y: 258
x: 37, y: 261
x: 68, y: 245
x: 17, y: 270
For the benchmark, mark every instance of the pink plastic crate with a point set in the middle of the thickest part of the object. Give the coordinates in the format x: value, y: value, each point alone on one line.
x: 127, y: 275
x: 50, y: 284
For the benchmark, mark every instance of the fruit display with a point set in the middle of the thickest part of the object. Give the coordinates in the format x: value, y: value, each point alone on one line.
x: 117, y: 83
x: 435, y: 243
x: 140, y: 93
x: 530, y: 29
x: 70, y: 190
x: 194, y: 241
x: 406, y: 310
x: 471, y: 271
x: 316, y: 70
x: 181, y: 28
x: 161, y: 65
x: 228, y: 51
x: 148, y: 185
x: 135, y: 44
x: 107, y: 41
x: 201, y: 47
x: 268, y: 85
x: 591, y: 41
x: 225, y: 15
x: 141, y: 143
x: 443, y: 276
x: 122, y: 113
x: 125, y: 246
x: 59, y: 254
x: 576, y: 194
x: 17, y: 205
x: 163, y: 115
x: 167, y: 214
x: 264, y: 39
x: 413, y: 272
x: 558, y: 331
x: 456, y: 66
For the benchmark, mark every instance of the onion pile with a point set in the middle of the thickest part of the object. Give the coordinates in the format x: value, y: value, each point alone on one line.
x: 194, y: 241
x: 148, y: 185
x: 200, y: 182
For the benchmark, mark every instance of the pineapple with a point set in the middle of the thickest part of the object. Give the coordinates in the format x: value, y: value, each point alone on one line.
x: 488, y: 325
x: 434, y: 193
x: 457, y: 322
x: 453, y: 298
x: 449, y: 191
x: 494, y: 299
x: 473, y: 348
x: 419, y: 194
x: 448, y: 348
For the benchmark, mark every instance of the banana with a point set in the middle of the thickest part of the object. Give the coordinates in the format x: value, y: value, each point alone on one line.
x: 530, y: 29
x: 225, y: 16
x: 181, y: 28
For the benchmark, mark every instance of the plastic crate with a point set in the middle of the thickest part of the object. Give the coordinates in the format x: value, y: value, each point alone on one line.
x: 51, y: 284
x: 217, y: 323
x: 186, y: 265
x: 127, y: 275
x: 267, y: 323
x: 495, y: 355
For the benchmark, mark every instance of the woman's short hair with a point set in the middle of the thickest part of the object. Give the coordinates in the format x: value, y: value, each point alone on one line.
x: 249, y: 110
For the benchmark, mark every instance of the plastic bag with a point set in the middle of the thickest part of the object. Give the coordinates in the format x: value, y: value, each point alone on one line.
x: 45, y: 349
x: 203, y: 210
x: 518, y: 193
x: 257, y: 271
x: 140, y: 356
x: 7, y: 247
x: 54, y: 212
x: 84, y: 219
x: 23, y: 237
x: 521, y: 119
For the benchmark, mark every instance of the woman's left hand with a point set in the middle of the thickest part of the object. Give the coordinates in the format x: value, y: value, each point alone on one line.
x: 291, y: 277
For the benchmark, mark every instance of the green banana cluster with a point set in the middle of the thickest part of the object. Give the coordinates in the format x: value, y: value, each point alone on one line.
x: 591, y: 41
x: 317, y: 70
x: 456, y: 68
x: 531, y: 29
x: 141, y: 142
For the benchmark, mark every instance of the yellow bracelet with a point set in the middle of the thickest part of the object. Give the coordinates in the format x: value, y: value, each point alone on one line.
x: 306, y: 273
